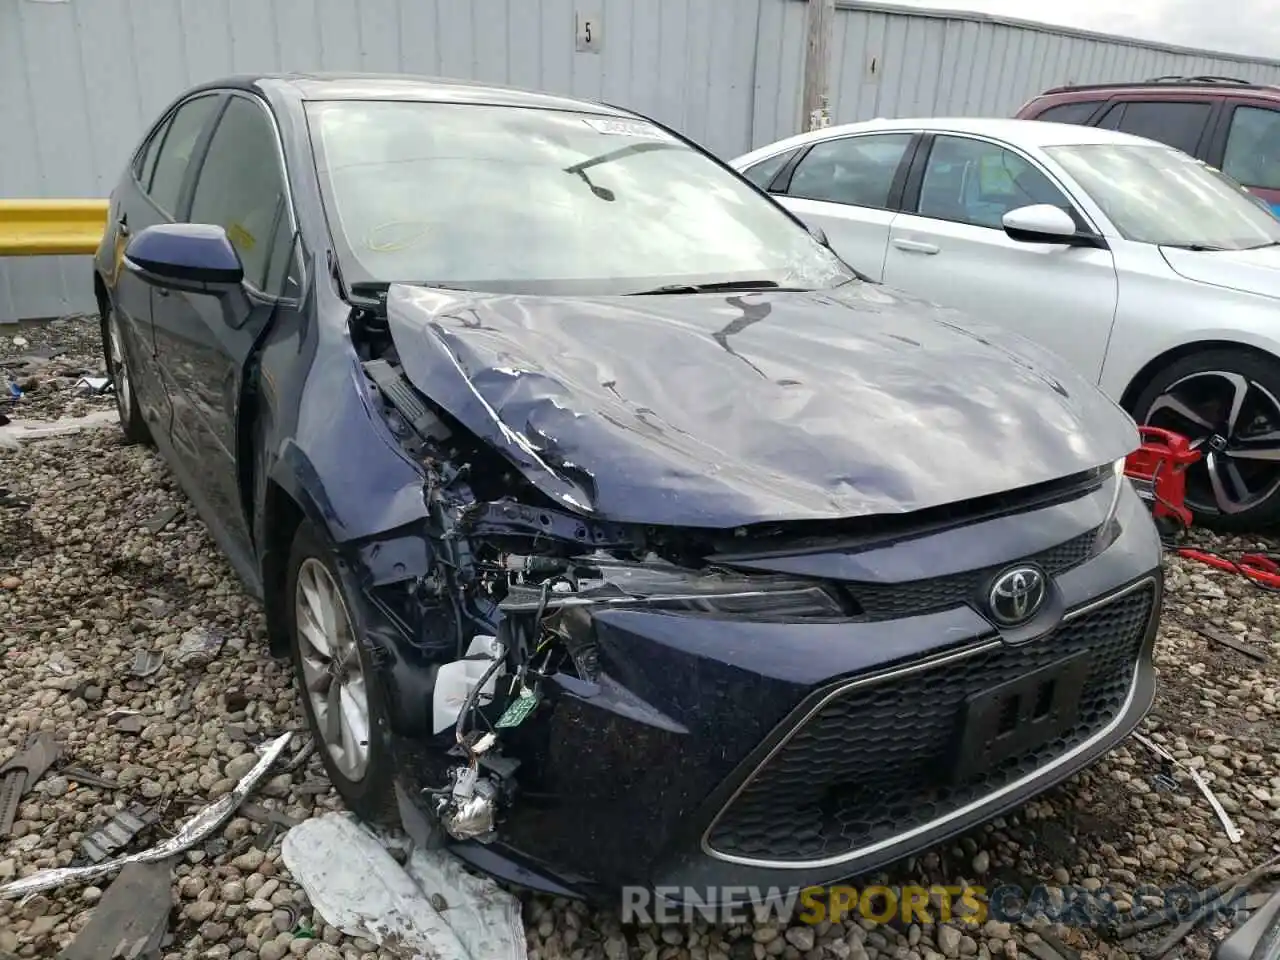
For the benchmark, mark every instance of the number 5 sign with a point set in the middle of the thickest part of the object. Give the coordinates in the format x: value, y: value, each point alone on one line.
x: 590, y: 34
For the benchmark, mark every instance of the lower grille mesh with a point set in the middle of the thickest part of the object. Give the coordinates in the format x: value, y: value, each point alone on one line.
x: 871, y: 763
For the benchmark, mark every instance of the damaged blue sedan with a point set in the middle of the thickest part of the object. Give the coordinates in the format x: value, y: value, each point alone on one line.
x: 618, y: 531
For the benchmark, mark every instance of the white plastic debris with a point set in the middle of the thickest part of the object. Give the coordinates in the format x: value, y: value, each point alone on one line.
x: 455, y: 681
x: 1233, y: 832
x: 189, y: 834
x: 14, y: 432
x: 432, y: 907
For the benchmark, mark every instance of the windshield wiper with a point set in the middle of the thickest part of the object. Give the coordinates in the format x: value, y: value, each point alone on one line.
x: 1196, y: 247
x: 1263, y: 246
x: 713, y: 287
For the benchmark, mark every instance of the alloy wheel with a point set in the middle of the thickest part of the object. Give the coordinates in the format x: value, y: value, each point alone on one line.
x: 332, y: 674
x: 1235, y: 422
x: 119, y: 370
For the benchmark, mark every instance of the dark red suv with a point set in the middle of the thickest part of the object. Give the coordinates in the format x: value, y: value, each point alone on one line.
x: 1230, y: 124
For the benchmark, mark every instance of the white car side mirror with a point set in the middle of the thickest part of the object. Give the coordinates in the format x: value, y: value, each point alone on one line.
x: 1039, y: 223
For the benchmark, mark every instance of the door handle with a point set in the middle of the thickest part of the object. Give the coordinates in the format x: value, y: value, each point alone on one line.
x: 915, y: 246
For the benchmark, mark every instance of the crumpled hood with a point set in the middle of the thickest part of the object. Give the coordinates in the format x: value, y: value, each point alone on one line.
x: 722, y: 410
x: 1249, y: 271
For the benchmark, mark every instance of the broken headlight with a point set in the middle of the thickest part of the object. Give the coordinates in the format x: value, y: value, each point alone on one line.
x: 717, y: 593
x: 1114, y: 482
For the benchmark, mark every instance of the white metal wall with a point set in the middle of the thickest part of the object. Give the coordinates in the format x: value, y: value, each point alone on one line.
x: 887, y: 63
x: 80, y: 79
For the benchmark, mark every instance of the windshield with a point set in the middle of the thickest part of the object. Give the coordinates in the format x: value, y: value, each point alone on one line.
x: 1154, y: 194
x: 523, y: 200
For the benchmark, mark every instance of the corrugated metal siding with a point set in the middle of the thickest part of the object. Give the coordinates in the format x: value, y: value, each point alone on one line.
x: 80, y: 79
x: 887, y: 63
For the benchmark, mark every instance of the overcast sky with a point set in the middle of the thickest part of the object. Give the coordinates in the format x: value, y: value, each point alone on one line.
x: 1231, y: 26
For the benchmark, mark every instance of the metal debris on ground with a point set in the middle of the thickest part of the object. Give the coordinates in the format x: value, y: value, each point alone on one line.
x: 1258, y: 938
x: 145, y: 663
x: 131, y: 920
x: 117, y: 833
x: 198, y: 647
x: 93, y: 386
x: 21, y: 772
x: 1218, y: 636
x: 196, y: 829
x: 300, y: 758
x: 1233, y: 832
x: 162, y: 519
x: 355, y: 885
x: 1208, y: 903
x: 274, y: 822
x: 7, y: 500
x: 82, y: 776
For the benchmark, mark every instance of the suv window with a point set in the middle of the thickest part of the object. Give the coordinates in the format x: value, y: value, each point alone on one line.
x: 1179, y: 124
x: 180, y: 141
x: 975, y: 182
x: 1077, y: 111
x: 1253, y: 148
x: 241, y: 186
x: 762, y: 173
x: 855, y: 170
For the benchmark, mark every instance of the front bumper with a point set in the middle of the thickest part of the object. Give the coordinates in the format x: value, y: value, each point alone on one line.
x: 715, y: 756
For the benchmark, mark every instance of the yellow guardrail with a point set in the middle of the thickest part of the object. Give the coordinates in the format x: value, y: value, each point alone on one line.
x: 40, y: 228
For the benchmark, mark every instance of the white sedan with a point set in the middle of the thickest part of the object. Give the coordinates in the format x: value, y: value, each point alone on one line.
x: 1149, y: 271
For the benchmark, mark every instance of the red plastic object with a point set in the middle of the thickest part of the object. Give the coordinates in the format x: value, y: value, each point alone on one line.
x: 1258, y: 567
x: 1158, y: 471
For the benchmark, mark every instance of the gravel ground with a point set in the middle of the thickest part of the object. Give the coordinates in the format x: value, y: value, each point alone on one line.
x: 46, y: 361
x: 109, y: 560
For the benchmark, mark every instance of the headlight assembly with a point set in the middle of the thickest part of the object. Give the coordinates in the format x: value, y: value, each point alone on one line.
x: 1114, y: 483
x: 672, y: 589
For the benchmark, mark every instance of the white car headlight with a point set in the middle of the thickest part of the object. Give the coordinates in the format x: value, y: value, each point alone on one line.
x: 1115, y: 480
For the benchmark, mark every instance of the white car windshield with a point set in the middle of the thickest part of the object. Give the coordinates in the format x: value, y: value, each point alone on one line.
x: 515, y: 199
x: 1155, y: 194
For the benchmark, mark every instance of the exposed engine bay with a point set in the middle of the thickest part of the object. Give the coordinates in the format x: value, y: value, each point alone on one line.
x: 507, y: 612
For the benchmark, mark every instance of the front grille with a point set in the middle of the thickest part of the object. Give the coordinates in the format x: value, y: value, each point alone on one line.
x: 872, y: 762
x: 888, y: 601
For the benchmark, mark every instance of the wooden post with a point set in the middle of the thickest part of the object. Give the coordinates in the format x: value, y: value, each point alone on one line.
x: 815, y: 102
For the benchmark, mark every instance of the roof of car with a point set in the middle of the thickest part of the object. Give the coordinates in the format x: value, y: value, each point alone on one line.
x: 404, y: 86
x: 1024, y: 133
x: 1210, y: 85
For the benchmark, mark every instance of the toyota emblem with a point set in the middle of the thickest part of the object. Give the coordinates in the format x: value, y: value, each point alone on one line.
x: 1017, y: 595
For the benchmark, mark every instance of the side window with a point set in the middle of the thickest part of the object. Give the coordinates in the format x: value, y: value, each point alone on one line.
x: 179, y: 143
x: 1253, y: 148
x: 762, y: 173
x: 971, y: 181
x: 241, y: 187
x: 1077, y: 111
x: 1179, y: 124
x: 145, y: 164
x: 855, y: 170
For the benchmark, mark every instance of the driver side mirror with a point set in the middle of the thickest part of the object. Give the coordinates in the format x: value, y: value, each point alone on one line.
x: 1040, y: 223
x: 196, y: 257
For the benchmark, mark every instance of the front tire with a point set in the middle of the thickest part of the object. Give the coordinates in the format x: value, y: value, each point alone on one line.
x: 340, y: 690
x: 132, y: 424
x: 1227, y: 402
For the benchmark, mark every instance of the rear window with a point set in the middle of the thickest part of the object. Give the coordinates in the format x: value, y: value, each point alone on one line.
x: 764, y: 172
x: 1077, y: 111
x: 1177, y: 123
